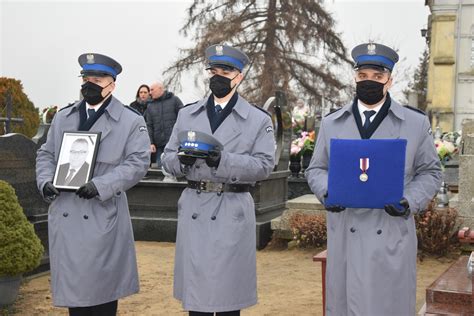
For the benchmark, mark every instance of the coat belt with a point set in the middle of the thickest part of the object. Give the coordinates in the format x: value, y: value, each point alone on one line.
x: 208, y: 186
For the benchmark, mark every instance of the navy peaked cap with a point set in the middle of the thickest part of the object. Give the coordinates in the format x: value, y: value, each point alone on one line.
x: 225, y: 56
x: 373, y: 55
x: 197, y: 144
x: 99, y: 65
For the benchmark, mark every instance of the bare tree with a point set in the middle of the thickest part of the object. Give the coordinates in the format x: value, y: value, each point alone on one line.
x: 292, y: 45
x: 419, y: 83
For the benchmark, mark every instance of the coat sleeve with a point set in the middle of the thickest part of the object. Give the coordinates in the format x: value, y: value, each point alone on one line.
x: 254, y: 167
x: 317, y: 172
x: 149, y: 123
x: 178, y: 105
x: 46, y: 158
x: 170, y: 159
x: 132, y: 169
x: 428, y: 176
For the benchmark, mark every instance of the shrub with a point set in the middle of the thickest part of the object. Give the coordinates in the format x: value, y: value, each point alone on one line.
x: 436, y: 230
x: 309, y: 230
x: 22, y: 107
x: 20, y: 248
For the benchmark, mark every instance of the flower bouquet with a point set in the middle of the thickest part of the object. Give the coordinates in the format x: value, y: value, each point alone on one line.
x: 303, y: 144
x: 48, y: 114
x: 447, y: 146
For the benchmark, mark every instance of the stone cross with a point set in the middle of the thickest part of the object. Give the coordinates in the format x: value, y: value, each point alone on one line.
x: 9, y: 119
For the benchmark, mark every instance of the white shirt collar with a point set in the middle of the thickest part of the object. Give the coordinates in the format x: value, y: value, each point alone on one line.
x: 95, y: 107
x: 363, y: 108
x: 223, y: 104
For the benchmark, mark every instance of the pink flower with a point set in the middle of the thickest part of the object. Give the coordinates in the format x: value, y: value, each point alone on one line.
x: 294, y: 149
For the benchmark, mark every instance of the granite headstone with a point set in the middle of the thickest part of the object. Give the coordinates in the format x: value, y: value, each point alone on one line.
x: 17, y: 167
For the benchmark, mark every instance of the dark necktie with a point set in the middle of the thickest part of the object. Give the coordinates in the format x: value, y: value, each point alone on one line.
x: 71, y: 174
x: 90, y: 113
x: 368, y: 114
x: 218, y: 109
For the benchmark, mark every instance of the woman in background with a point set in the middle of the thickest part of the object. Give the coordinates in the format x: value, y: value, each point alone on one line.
x: 141, y: 99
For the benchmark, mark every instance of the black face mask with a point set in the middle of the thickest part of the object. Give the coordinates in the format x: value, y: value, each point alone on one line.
x: 92, y: 92
x: 220, y: 85
x: 370, y: 92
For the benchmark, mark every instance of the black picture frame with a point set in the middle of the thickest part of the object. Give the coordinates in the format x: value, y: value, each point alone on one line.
x: 76, y: 159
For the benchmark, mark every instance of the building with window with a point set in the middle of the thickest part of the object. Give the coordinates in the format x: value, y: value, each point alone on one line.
x: 450, y: 95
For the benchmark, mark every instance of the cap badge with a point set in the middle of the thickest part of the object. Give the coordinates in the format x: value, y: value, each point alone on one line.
x: 90, y: 59
x: 191, y: 136
x: 219, y: 50
x: 371, y: 49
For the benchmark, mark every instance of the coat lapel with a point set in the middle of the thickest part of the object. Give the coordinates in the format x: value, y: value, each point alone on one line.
x: 103, y: 124
x: 230, y: 127
x: 348, y: 126
x: 389, y: 128
x: 228, y: 130
x: 202, y: 121
x: 392, y: 123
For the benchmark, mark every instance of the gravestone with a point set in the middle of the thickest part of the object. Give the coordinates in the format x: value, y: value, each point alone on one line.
x: 451, y: 174
x: 17, y: 167
x: 451, y: 293
x: 466, y: 175
x: 298, y: 187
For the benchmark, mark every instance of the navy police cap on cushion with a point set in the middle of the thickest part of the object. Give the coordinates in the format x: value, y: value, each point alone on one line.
x: 226, y: 57
x: 197, y: 144
x: 373, y: 55
x: 99, y: 65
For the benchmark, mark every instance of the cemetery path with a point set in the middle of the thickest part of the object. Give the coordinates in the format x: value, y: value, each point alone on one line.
x: 289, y: 283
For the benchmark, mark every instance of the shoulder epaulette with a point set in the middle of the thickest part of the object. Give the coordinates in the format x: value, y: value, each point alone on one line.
x: 132, y: 109
x: 414, y: 109
x: 334, y: 111
x: 261, y: 109
x: 67, y: 106
x: 190, y: 104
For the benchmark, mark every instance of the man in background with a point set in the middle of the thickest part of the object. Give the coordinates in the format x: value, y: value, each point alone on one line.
x: 160, y: 116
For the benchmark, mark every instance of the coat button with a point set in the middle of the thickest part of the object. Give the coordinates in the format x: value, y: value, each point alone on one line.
x: 352, y: 230
x: 234, y: 179
x: 86, y: 217
x: 118, y: 193
x: 198, y: 166
x: 379, y: 231
x: 65, y: 214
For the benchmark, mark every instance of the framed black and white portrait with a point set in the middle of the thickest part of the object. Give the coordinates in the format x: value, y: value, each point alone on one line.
x: 76, y: 159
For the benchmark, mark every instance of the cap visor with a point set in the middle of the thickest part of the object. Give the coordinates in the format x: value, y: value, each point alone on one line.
x: 193, y: 153
x: 372, y: 66
x: 95, y: 73
x: 222, y: 66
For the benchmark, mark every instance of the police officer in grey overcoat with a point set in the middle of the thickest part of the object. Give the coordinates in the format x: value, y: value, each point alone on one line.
x: 215, y: 262
x: 91, y: 245
x: 371, y: 253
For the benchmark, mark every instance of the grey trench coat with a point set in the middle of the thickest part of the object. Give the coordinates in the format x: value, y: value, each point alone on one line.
x: 371, y: 261
x: 215, y: 262
x: 91, y: 244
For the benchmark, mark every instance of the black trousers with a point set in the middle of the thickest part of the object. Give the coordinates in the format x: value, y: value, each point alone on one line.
x: 107, y: 309
x: 231, y: 313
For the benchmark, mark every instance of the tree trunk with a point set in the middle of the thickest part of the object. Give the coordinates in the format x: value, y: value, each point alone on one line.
x: 267, y: 77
